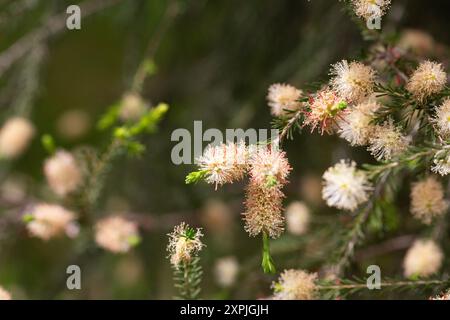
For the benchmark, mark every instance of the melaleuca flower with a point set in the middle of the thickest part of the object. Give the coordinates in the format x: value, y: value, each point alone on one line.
x: 356, y: 124
x: 352, y: 81
x: 423, y: 259
x: 184, y: 244
x: 442, y: 118
x: 116, y: 234
x: 270, y: 167
x: 387, y: 141
x: 4, y: 295
x: 263, y: 210
x: 295, y: 285
x: 48, y: 220
x: 370, y: 9
x: 441, y: 162
x: 74, y: 124
x: 283, y: 98
x: 325, y: 107
x: 62, y: 173
x: 132, y: 107
x: 345, y: 187
x: 443, y: 296
x: 226, y: 270
x: 297, y: 218
x: 427, y: 199
x: 428, y: 79
x: 417, y: 41
x: 225, y: 163
x: 15, y: 135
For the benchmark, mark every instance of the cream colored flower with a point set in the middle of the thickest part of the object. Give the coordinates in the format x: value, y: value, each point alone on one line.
x: 442, y: 118
x: 62, y: 173
x: 74, y: 124
x: 441, y: 162
x: 4, y: 295
x: 295, y: 285
x: 48, y: 220
x: 132, y: 107
x: 417, y: 41
x: 226, y: 270
x: 184, y: 244
x: 297, y: 218
x: 427, y: 199
x: 345, y: 187
x: 283, y: 98
x: 116, y: 234
x: 370, y: 9
x: 423, y: 259
x: 428, y: 79
x: 352, y: 81
x: 15, y: 136
x: 387, y: 141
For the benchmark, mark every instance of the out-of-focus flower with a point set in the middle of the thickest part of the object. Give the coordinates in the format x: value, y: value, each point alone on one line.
x: 443, y: 296
x: 283, y: 98
x: 295, y: 285
x: 352, y: 81
x: 423, y: 259
x: 417, y: 41
x: 428, y: 79
x: 325, y: 108
x: 370, y: 9
x: 4, y: 295
x: 117, y: 234
x: 356, y: 126
x: 442, y: 118
x: 13, y: 190
x: 297, y: 218
x: 73, y: 124
x: 225, y: 163
x: 48, y: 220
x: 62, y: 173
x: 226, y: 270
x: 184, y: 244
x: 15, y: 136
x: 427, y: 199
x: 387, y: 141
x: 345, y: 187
x: 132, y: 107
x: 217, y: 217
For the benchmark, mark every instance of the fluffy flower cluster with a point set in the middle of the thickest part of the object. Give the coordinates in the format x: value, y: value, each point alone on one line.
x: 295, y: 285
x: 442, y: 118
x: 4, y: 295
x: 225, y: 163
x: 441, y: 163
x: 345, y: 187
x: 268, y: 174
x: 423, y: 259
x: 370, y: 9
x: 352, y: 81
x: 387, y: 141
x: 427, y: 199
x: 283, y: 98
x: 15, y: 135
x: 116, y: 234
x: 297, y: 218
x: 184, y: 244
x: 428, y: 79
x: 48, y: 220
x: 226, y: 270
x: 325, y: 108
x: 356, y: 126
x: 62, y: 173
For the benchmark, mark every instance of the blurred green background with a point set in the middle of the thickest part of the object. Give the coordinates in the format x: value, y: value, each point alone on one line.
x: 214, y: 63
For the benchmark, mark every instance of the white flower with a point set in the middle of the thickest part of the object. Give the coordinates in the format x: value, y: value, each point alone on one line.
x: 352, y: 81
x: 62, y: 173
x: 428, y: 79
x: 387, y: 141
x: 48, y: 220
x: 116, y: 234
x: 4, y: 295
x: 427, y: 199
x: 282, y: 98
x: 356, y: 126
x: 442, y: 118
x: 184, y: 244
x: 226, y: 270
x: 295, y: 285
x: 297, y: 218
x: 345, y: 187
x: 441, y: 162
x: 74, y: 124
x: 132, y: 107
x: 15, y: 135
x: 423, y: 259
